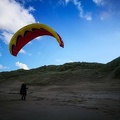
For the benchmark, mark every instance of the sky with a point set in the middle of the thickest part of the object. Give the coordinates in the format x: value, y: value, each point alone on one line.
x: 90, y: 30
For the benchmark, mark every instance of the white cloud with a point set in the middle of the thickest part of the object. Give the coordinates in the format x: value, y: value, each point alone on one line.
x: 2, y: 67
x: 104, y: 14
x: 88, y: 16
x: 66, y: 1
x: 6, y: 36
x: 109, y: 8
x: 23, y: 51
x: 78, y: 5
x: 31, y: 9
x: 99, y: 2
x: 13, y: 16
x: 22, y: 66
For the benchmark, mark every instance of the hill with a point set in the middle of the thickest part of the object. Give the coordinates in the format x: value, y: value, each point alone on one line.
x: 67, y: 73
x: 113, y: 67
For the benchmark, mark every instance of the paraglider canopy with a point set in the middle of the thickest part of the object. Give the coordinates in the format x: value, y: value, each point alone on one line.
x: 28, y: 33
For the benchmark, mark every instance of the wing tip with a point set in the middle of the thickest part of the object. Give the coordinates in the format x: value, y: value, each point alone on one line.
x: 62, y: 44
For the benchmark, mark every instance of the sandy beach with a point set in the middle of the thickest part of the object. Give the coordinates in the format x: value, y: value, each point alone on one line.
x: 82, y: 101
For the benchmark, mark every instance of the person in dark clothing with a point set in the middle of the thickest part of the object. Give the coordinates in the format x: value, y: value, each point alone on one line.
x: 23, y: 91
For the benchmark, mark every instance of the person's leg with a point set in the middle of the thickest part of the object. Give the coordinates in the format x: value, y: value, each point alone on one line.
x: 24, y: 97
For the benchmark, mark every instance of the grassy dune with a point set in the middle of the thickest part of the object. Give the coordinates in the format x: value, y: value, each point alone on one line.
x: 65, y: 74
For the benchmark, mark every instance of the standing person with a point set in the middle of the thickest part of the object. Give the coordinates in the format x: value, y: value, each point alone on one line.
x: 23, y: 91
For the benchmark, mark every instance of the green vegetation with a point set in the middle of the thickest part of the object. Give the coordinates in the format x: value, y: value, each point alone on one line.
x: 112, y: 65
x: 64, y: 74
